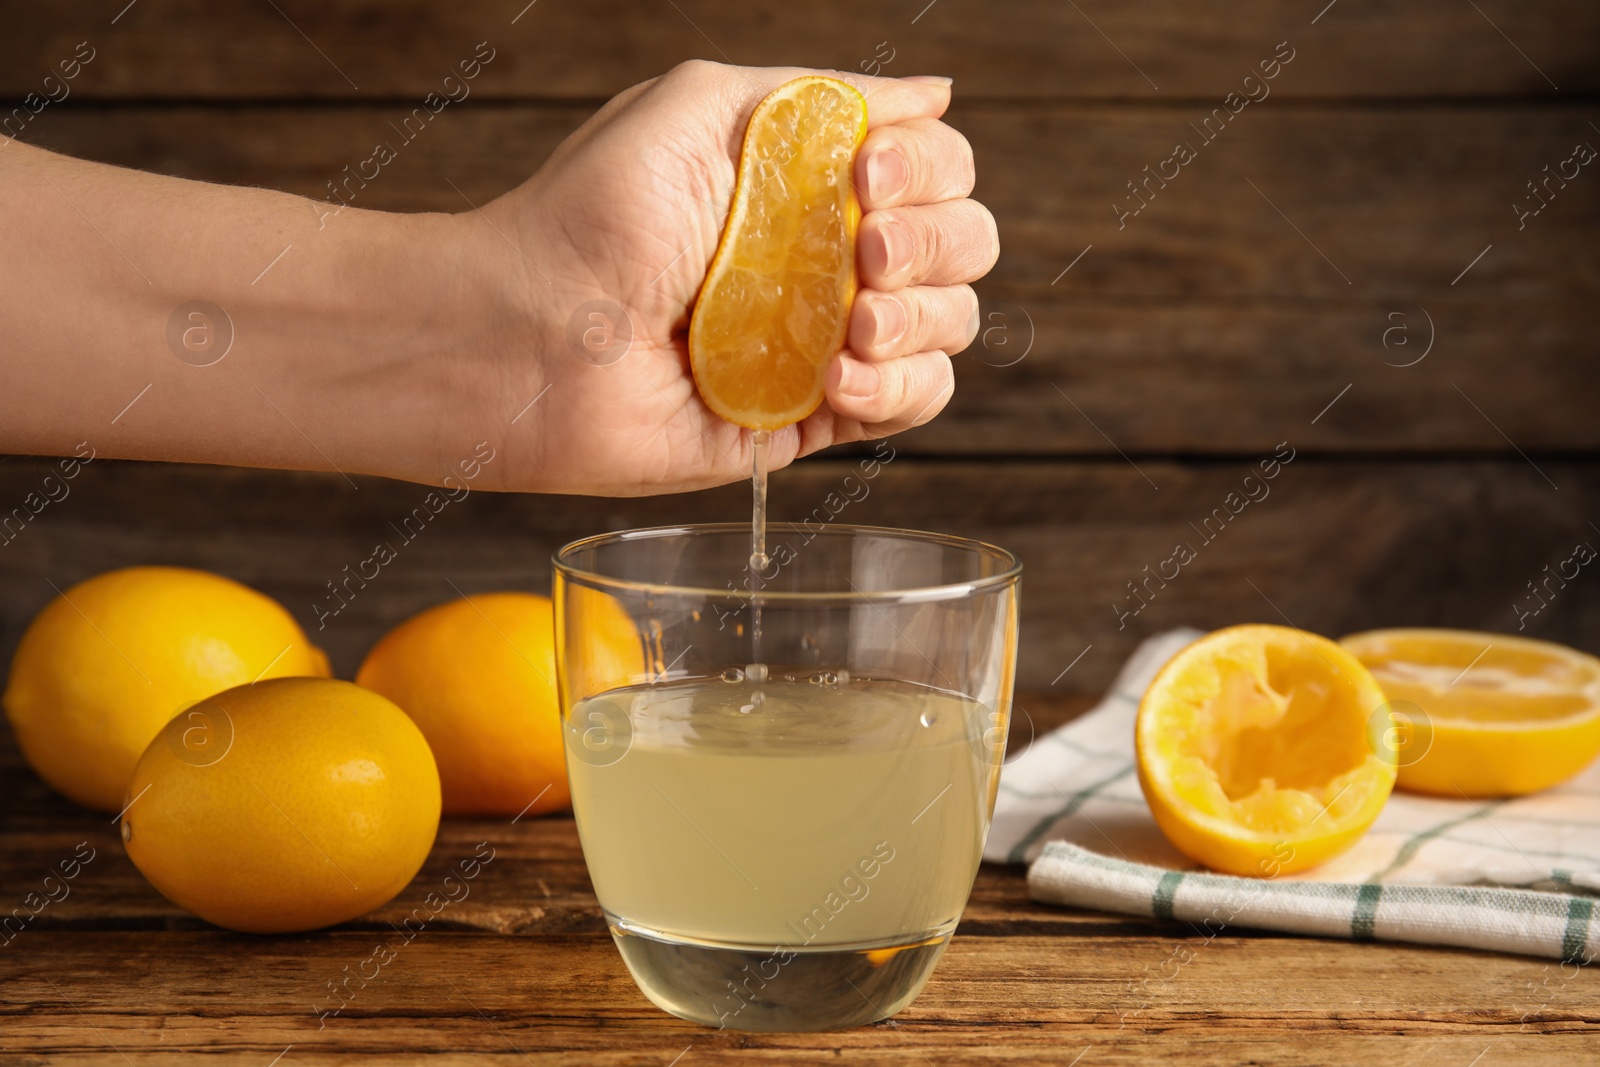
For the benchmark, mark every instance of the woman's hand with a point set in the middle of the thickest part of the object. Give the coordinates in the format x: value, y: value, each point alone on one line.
x: 410, y: 345
x: 617, y: 230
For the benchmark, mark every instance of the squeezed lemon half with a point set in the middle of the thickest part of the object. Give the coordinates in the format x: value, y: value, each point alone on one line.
x: 775, y: 305
x: 1264, y: 750
x: 1484, y: 715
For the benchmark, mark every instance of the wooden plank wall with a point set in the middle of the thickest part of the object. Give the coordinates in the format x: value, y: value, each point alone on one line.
x: 1341, y: 270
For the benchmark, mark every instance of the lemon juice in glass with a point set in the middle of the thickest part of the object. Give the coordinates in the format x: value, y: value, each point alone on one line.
x: 785, y: 844
x: 783, y: 800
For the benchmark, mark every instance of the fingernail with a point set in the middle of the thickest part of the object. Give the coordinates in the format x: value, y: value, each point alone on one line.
x: 888, y: 321
x: 896, y: 247
x: 887, y: 174
x: 929, y: 79
x: 857, y: 378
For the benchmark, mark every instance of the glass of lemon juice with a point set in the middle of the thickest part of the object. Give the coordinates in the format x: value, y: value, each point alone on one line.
x: 783, y: 779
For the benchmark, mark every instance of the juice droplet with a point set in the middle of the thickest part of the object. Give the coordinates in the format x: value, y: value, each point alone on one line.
x: 756, y: 672
x: 927, y: 718
x: 733, y: 674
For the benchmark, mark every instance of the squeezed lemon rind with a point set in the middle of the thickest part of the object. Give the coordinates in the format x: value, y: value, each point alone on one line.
x: 770, y: 421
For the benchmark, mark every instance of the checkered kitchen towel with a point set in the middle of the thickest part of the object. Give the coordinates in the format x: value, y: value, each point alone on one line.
x: 1519, y: 875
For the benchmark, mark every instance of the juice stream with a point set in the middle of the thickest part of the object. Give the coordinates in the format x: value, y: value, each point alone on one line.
x: 757, y: 671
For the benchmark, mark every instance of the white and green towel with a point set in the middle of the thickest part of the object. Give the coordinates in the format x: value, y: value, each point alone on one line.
x: 1519, y: 875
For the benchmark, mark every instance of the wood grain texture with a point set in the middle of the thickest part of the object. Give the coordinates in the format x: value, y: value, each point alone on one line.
x: 1398, y: 200
x: 1244, y: 306
x: 1333, y: 546
x: 1208, y: 323
x: 522, y: 966
x: 1021, y: 998
x: 182, y: 49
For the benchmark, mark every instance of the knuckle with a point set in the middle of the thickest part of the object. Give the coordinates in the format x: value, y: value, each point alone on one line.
x: 922, y: 165
x: 938, y: 386
x: 982, y: 245
x: 966, y: 327
x: 898, y: 387
x: 922, y: 377
x: 917, y: 316
x: 992, y: 229
x: 934, y: 241
x: 967, y: 174
x: 692, y: 72
x: 940, y: 160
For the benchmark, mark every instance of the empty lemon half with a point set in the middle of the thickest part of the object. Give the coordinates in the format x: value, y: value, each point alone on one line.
x: 1263, y: 750
x: 1481, y: 714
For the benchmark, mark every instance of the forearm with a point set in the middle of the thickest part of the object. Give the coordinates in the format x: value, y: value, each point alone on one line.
x: 550, y: 324
x: 343, y: 326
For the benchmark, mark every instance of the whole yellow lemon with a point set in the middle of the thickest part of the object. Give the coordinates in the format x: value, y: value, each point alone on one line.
x: 284, y: 805
x: 478, y: 675
x: 107, y: 663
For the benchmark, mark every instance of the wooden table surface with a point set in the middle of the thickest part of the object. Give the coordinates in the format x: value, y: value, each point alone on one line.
x: 1285, y: 290
x: 522, y: 969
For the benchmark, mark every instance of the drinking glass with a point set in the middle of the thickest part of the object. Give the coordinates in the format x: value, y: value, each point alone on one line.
x: 783, y: 779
